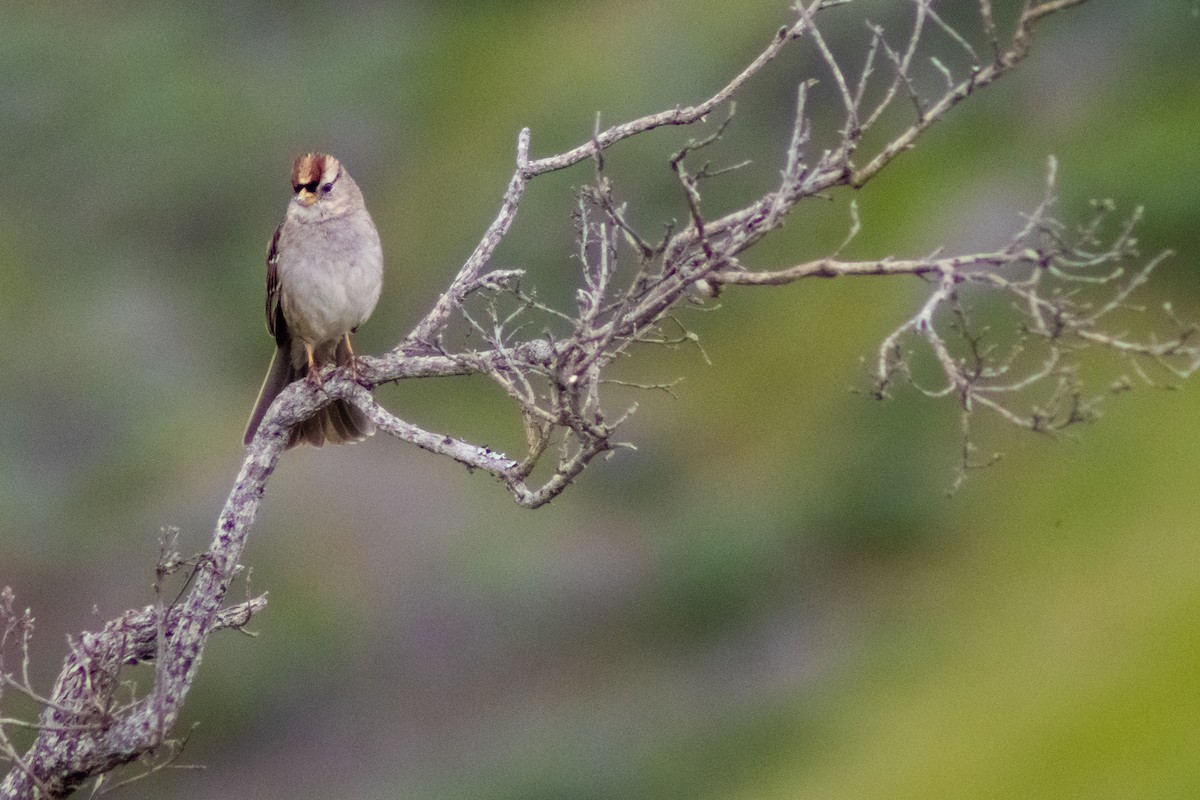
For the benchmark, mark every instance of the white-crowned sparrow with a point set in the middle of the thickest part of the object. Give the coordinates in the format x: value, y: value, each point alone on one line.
x: 324, y: 275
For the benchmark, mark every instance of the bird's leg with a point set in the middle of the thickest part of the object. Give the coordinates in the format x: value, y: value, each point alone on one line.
x: 353, y: 361
x: 314, y: 376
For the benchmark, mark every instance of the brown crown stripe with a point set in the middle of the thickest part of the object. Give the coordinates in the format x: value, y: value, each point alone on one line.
x: 312, y: 167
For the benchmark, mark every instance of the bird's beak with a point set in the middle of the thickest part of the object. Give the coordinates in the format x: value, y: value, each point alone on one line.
x: 306, y: 198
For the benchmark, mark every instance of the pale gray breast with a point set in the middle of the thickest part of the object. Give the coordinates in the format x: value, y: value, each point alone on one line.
x: 330, y: 275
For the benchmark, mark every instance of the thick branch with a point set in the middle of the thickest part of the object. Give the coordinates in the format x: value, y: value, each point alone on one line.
x: 67, y: 752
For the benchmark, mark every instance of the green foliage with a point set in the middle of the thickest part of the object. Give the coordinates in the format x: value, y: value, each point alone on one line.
x: 1031, y: 637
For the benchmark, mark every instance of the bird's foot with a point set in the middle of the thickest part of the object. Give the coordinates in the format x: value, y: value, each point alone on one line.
x: 356, y: 373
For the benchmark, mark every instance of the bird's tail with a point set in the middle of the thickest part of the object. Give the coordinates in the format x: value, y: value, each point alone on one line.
x: 336, y: 423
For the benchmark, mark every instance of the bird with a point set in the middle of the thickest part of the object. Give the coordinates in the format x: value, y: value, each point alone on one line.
x: 324, y: 276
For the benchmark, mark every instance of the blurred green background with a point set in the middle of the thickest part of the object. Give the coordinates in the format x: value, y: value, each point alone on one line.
x: 772, y: 597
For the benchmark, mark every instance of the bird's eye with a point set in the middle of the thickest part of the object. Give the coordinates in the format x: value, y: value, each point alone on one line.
x: 327, y: 188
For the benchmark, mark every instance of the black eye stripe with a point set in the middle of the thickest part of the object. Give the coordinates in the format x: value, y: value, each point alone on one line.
x: 311, y: 186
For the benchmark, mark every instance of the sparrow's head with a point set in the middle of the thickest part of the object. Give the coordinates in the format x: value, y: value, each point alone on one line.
x: 322, y: 188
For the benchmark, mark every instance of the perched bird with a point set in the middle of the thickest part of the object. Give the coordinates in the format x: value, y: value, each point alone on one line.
x: 324, y: 275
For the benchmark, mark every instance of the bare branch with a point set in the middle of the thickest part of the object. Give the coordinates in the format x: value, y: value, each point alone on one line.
x: 1063, y: 292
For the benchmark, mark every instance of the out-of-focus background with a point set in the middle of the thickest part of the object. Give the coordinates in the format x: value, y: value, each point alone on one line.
x: 773, y: 597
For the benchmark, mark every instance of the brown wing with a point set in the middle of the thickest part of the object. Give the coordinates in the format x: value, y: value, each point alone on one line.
x: 276, y: 324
